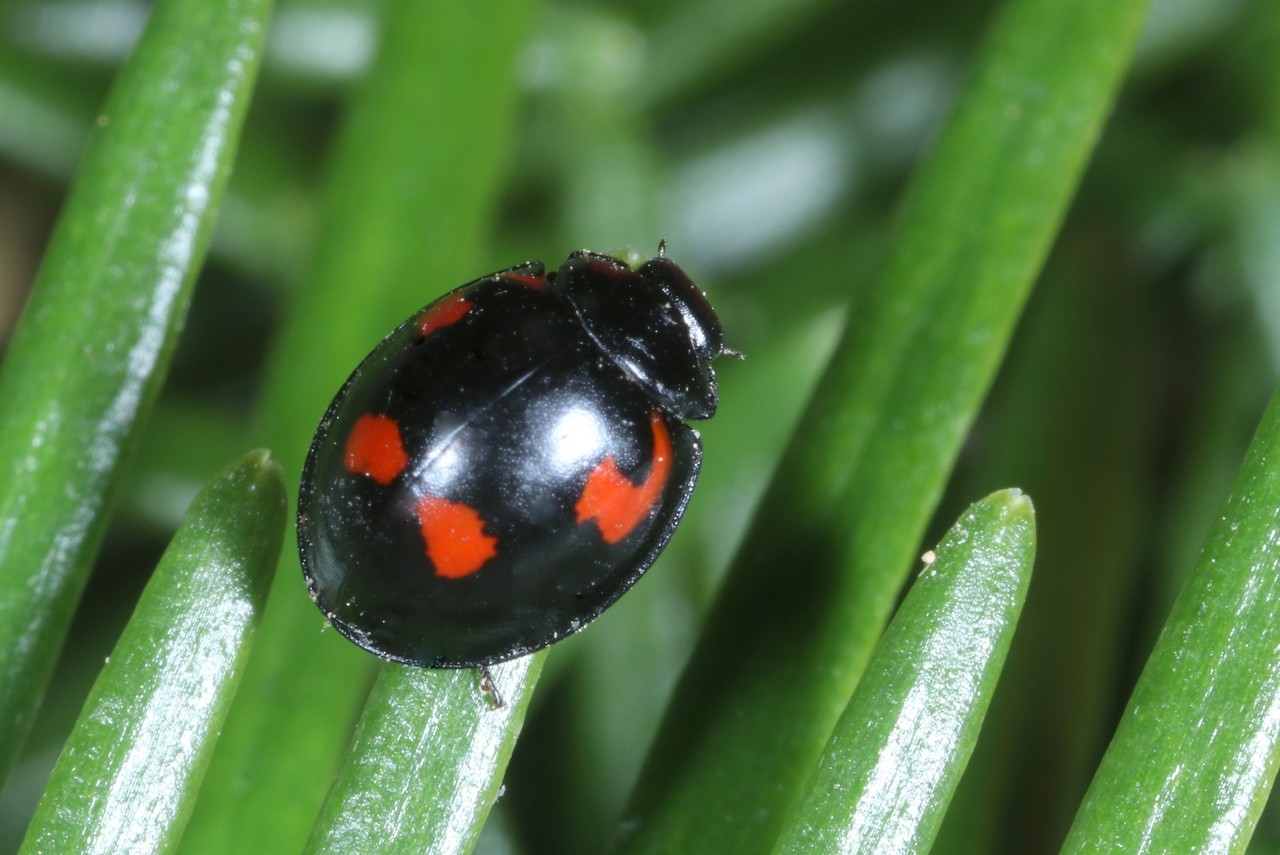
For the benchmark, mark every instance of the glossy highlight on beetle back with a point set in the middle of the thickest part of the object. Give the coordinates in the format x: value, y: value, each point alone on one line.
x: 509, y: 461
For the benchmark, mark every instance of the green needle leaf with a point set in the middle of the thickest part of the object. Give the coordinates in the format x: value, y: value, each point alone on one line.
x: 92, y: 348
x: 898, y: 751
x: 427, y: 761
x: 819, y: 572
x: 1196, y: 753
x: 128, y: 776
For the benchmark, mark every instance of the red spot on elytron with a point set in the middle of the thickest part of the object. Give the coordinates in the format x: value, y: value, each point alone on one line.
x: 374, y: 448
x: 617, y: 505
x: 448, y: 311
x: 536, y: 281
x: 454, y: 532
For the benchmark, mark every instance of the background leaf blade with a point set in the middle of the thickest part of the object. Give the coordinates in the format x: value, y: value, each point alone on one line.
x: 877, y: 444
x: 894, y: 758
x: 426, y: 761
x: 1196, y: 753
x: 86, y: 363
x: 127, y: 778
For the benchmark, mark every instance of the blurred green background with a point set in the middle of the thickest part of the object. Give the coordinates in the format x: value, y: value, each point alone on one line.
x: 768, y: 142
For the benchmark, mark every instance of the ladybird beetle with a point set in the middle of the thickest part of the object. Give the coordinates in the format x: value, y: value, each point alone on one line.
x: 510, y: 460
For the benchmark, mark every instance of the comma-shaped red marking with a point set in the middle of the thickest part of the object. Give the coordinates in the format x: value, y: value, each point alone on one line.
x: 374, y: 448
x: 441, y: 314
x: 454, y: 532
x: 617, y: 505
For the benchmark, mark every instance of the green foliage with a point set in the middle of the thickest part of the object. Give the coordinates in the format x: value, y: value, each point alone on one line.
x: 870, y: 458
x: 964, y: 248
x: 426, y: 739
x: 1210, y: 691
x: 128, y: 776
x: 88, y: 359
x: 887, y: 773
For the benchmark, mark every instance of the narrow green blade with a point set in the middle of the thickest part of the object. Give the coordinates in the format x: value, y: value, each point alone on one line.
x: 1196, y: 753
x: 91, y: 351
x: 897, y: 753
x: 128, y: 776
x: 426, y: 762
x: 819, y: 572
